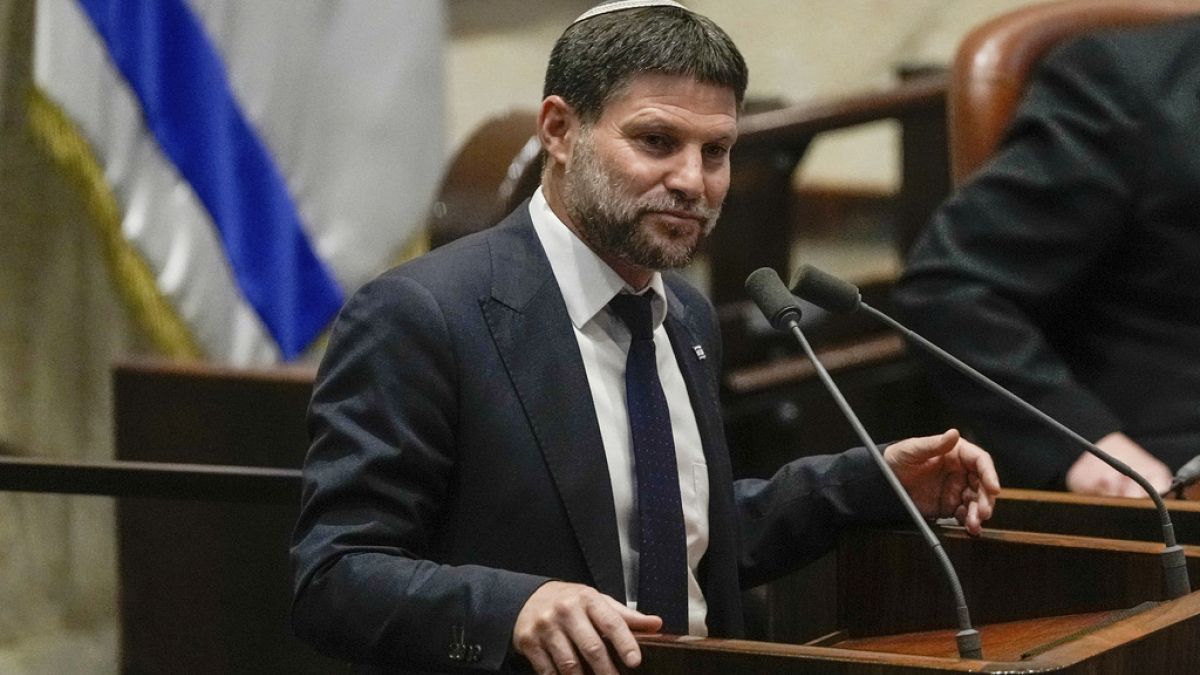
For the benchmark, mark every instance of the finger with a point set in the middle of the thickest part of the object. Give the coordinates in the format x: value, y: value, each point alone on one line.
x: 1129, y: 488
x: 642, y: 623
x: 986, y: 504
x: 922, y: 448
x: 1107, y: 487
x: 948, y: 503
x: 1162, y: 481
x: 954, y: 488
x: 539, y: 659
x: 973, y: 523
x: 1161, y: 484
x: 615, y: 626
x: 1159, y: 480
x: 980, y: 466
x: 528, y: 642
x: 566, y: 660
x: 586, y: 623
x: 1118, y: 485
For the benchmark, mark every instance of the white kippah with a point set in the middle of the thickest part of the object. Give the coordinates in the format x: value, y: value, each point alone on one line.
x: 620, y: 5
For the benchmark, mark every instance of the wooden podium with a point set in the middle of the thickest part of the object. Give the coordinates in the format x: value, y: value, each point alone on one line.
x: 1042, y: 603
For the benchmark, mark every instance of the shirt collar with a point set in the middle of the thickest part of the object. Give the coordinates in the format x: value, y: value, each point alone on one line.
x: 587, y: 282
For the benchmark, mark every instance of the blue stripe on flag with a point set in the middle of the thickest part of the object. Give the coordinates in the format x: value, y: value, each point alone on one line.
x: 162, y: 50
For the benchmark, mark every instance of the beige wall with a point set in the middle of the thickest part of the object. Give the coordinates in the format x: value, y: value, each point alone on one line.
x: 60, y: 328
x: 797, y: 50
x: 61, y: 324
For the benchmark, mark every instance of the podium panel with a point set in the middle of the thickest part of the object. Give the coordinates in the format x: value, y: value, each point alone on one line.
x: 204, y: 583
x: 1042, y: 603
x: 1090, y: 516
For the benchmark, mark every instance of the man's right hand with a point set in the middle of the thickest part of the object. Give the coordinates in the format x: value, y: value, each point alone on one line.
x: 563, y: 622
x: 1090, y: 475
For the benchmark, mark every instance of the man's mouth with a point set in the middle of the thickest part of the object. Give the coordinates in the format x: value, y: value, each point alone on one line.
x: 678, y: 220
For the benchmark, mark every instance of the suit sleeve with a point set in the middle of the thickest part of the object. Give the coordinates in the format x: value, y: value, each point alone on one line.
x: 795, y: 517
x: 1007, y: 259
x: 382, y: 423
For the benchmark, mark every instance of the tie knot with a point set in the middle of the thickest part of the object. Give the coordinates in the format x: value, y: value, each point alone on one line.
x: 635, y: 312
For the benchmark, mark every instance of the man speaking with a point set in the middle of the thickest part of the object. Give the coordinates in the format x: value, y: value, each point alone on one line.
x: 517, y: 451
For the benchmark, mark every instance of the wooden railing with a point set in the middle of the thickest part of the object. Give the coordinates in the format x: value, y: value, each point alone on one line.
x: 151, y: 480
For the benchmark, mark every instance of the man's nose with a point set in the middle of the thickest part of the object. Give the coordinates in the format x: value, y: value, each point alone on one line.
x: 686, y: 176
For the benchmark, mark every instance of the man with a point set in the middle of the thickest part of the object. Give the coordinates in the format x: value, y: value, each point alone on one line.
x: 1066, y: 269
x: 514, y: 452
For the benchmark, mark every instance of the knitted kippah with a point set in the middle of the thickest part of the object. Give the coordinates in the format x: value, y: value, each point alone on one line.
x: 619, y: 5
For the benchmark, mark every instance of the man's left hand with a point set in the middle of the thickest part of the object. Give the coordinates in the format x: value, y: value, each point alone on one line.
x: 947, y: 476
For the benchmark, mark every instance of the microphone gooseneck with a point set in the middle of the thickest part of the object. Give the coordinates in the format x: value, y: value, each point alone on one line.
x: 768, y: 292
x: 1174, y: 562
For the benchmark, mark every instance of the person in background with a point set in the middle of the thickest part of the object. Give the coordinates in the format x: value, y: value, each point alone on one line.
x: 1068, y: 268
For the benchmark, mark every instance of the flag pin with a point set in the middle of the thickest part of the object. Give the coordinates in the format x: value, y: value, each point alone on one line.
x: 699, y: 352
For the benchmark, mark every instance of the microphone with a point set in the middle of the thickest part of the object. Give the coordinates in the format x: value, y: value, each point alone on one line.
x: 767, y: 291
x: 835, y: 295
x: 778, y: 305
x: 1187, y: 475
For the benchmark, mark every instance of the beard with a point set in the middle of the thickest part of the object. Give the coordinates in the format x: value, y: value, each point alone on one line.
x: 614, y: 222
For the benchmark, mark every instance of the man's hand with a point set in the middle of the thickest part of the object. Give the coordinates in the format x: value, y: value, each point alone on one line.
x: 947, y: 476
x: 1092, y: 476
x: 562, y: 622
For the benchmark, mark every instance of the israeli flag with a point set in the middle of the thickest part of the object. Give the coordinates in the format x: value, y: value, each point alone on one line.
x: 247, y: 163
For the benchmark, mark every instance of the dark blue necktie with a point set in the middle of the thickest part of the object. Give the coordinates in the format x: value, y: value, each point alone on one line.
x: 662, y: 556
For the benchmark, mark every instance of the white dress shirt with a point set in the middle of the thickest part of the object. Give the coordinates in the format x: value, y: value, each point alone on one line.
x: 588, y: 284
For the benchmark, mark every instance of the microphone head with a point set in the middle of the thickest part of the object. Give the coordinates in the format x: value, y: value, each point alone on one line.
x: 825, y: 290
x: 767, y: 291
x: 1188, y: 473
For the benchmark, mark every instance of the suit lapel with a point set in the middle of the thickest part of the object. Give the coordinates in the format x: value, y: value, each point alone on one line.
x: 532, y: 332
x: 701, y: 384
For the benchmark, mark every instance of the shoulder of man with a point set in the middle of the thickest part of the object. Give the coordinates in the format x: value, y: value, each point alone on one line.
x: 463, y: 266
x: 1137, y: 55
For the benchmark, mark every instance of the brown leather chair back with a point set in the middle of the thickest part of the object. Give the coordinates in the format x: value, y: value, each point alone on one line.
x: 995, y: 60
x: 496, y: 169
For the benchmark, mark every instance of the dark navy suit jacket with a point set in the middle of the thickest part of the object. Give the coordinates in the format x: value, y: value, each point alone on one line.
x: 457, y: 464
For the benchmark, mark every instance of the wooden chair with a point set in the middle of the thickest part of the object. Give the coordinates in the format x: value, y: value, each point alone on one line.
x: 995, y: 60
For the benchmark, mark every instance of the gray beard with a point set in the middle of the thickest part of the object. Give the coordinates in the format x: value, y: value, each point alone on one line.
x: 610, y: 222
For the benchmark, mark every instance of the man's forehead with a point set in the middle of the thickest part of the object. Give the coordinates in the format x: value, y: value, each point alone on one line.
x: 645, y: 92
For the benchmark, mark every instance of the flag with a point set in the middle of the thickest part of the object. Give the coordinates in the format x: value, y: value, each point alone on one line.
x: 247, y: 164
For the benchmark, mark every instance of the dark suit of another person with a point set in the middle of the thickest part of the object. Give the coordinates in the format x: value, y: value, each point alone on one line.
x: 1068, y: 268
x: 457, y: 464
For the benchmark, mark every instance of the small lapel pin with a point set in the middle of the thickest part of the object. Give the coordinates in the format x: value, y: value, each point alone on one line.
x: 699, y: 352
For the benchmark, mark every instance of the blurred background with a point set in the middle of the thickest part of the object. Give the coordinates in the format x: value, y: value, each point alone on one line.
x: 348, y: 115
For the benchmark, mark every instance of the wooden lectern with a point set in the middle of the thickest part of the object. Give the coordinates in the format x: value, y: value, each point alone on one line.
x: 1042, y: 603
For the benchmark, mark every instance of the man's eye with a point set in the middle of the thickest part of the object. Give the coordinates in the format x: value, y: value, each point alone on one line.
x: 656, y: 141
x: 716, y: 151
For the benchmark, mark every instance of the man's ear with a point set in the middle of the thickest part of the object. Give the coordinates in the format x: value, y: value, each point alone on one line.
x: 557, y: 128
